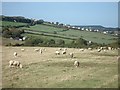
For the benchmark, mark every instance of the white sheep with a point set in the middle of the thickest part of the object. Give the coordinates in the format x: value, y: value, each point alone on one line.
x: 41, y: 51
x: 81, y: 49
x: 15, y: 54
x: 22, y: 50
x: 76, y: 63
x: 89, y: 48
x: 109, y: 48
x: 65, y: 49
x: 71, y: 55
x: 15, y: 63
x: 57, y: 53
x: 36, y: 50
x: 99, y: 50
x: 64, y: 52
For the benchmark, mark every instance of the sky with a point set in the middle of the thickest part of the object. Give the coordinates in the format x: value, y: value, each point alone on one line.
x: 74, y: 13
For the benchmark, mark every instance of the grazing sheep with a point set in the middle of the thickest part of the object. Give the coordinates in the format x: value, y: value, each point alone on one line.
x: 15, y: 63
x: 15, y: 54
x: 99, y: 50
x: 81, y: 49
x: 89, y: 48
x: 22, y: 50
x: 57, y: 53
x: 71, y: 55
x: 59, y: 48
x: 64, y: 52
x: 65, y: 49
x: 37, y: 50
x: 76, y: 63
x: 40, y: 51
x: 109, y: 48
x: 44, y: 49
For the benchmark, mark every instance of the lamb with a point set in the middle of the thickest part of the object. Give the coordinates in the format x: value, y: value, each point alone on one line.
x: 76, y: 64
x: 57, y: 53
x: 15, y: 63
x: 15, y: 54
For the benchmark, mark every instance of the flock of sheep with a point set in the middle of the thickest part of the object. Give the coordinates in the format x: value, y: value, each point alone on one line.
x: 59, y: 51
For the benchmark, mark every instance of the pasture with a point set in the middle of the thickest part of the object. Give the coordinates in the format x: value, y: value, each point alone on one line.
x: 87, y: 35
x: 7, y: 23
x: 47, y: 70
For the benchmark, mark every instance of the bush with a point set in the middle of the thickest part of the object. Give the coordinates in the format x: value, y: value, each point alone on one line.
x: 33, y: 41
x: 8, y: 32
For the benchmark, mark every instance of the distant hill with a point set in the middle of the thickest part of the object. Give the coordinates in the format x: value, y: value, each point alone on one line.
x: 99, y: 27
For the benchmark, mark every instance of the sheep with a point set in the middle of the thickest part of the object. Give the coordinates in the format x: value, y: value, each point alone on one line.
x: 81, y: 49
x: 40, y: 51
x: 99, y: 50
x: 65, y: 49
x: 109, y: 48
x: 89, y: 48
x: 76, y: 63
x: 22, y: 50
x: 64, y: 52
x: 44, y: 49
x: 36, y: 50
x: 71, y: 55
x: 15, y: 54
x: 57, y: 53
x: 59, y: 48
x: 15, y: 63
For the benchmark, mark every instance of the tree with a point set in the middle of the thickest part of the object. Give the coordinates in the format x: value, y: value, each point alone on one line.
x: 40, y: 21
x: 57, y: 23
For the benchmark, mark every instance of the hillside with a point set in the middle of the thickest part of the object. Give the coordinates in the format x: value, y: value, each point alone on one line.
x: 71, y: 33
x: 52, y: 31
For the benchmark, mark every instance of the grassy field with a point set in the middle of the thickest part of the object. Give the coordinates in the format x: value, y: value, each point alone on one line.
x: 93, y: 36
x: 72, y: 34
x: 46, y: 70
x: 7, y: 23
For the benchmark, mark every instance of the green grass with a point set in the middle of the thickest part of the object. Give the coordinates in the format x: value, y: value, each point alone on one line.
x: 48, y: 37
x: 73, y: 34
x: 93, y: 36
x: 7, y: 23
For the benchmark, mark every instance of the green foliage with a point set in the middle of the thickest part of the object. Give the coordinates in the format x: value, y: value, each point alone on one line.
x: 11, y: 32
x: 79, y: 43
x: 60, y: 42
x: 32, y: 41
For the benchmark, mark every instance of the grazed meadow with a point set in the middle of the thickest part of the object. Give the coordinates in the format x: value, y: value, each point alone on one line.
x: 47, y: 70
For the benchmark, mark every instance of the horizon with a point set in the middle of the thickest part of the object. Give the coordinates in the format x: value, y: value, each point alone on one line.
x: 88, y: 13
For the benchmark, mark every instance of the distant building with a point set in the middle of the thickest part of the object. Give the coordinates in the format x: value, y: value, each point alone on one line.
x: 82, y: 29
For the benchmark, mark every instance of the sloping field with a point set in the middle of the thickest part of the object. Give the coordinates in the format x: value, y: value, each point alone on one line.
x: 93, y: 36
x: 7, y: 23
x: 97, y: 69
